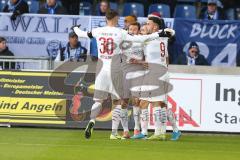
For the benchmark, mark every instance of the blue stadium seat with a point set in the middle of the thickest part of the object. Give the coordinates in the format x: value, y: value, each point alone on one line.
x: 33, y: 6
x: 2, y: 4
x: 230, y: 14
x: 185, y: 11
x: 113, y: 5
x: 133, y: 8
x: 163, y: 9
x: 237, y: 13
x: 85, y: 8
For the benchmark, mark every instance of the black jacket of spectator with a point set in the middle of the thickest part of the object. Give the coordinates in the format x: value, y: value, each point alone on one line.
x: 221, y: 14
x: 238, y: 60
x: 57, y: 9
x: 19, y: 8
x: 199, y: 61
x: 72, y: 6
x: 7, y: 52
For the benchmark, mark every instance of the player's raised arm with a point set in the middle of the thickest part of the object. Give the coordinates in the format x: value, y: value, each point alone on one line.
x: 143, y: 38
x: 139, y: 38
x: 82, y: 34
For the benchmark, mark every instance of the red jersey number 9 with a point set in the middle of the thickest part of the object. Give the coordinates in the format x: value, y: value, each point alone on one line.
x: 162, y: 49
x: 107, y: 45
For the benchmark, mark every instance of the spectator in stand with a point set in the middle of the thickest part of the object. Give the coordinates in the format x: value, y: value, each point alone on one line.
x: 129, y: 20
x: 73, y: 51
x: 52, y: 7
x: 16, y: 7
x: 72, y: 6
x: 4, y: 51
x: 193, y: 57
x: 212, y: 11
x: 103, y: 7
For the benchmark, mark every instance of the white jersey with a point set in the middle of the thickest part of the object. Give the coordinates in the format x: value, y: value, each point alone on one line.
x: 133, y: 50
x: 156, y: 51
x: 109, y: 42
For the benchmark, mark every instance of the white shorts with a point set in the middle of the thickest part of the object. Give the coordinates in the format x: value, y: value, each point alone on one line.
x: 155, y: 92
x: 108, y: 83
x: 132, y: 78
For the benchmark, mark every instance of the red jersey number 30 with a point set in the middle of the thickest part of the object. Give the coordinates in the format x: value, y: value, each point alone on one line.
x: 107, y: 45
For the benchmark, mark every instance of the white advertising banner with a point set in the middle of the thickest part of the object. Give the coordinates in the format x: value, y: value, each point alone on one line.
x: 205, y: 102
x: 34, y: 35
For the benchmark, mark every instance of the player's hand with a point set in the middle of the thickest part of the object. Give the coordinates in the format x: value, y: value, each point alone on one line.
x: 78, y: 26
x: 169, y: 32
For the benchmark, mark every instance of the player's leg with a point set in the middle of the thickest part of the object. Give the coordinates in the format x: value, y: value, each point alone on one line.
x: 116, y: 118
x: 157, y: 121
x: 124, y: 118
x: 116, y: 90
x: 172, y: 119
x: 144, y: 118
x: 136, y: 115
x: 160, y: 110
x: 95, y: 111
x: 100, y: 93
x: 163, y: 120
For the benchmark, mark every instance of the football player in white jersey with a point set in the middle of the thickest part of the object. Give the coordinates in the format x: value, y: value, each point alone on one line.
x: 132, y: 51
x: 156, y: 57
x: 109, y: 73
x: 140, y: 113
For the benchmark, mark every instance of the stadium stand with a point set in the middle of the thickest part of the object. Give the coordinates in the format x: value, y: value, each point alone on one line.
x: 230, y: 14
x: 185, y: 11
x: 33, y: 6
x: 163, y: 9
x: 133, y: 8
x: 85, y: 8
x: 237, y: 13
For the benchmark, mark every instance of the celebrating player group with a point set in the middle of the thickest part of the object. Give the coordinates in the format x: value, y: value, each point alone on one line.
x: 132, y: 66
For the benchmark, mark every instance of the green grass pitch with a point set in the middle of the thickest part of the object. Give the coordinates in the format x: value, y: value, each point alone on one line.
x: 63, y: 144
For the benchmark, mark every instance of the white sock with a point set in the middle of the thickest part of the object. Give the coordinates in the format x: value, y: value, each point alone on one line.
x: 124, y: 119
x: 144, y: 121
x: 116, y: 113
x: 95, y: 111
x: 157, y: 123
x: 172, y: 120
x: 136, y: 117
x: 163, y: 119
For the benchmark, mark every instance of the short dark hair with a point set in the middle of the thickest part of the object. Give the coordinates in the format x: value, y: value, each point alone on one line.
x: 111, y: 14
x: 158, y: 21
x: 136, y: 24
x: 2, y: 39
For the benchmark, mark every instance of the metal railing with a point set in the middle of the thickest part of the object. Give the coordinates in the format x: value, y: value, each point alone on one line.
x: 30, y: 63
